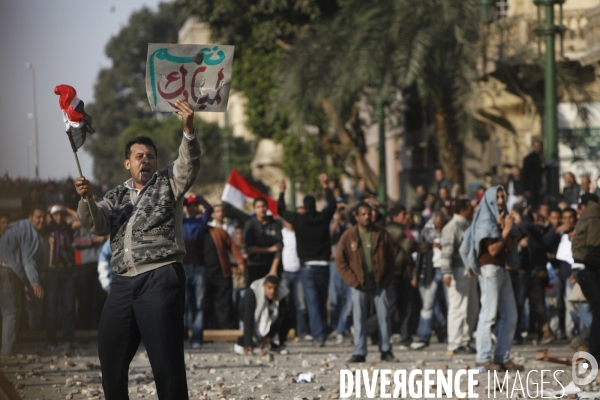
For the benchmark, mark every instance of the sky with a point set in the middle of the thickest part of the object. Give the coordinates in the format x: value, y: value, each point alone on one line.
x: 64, y: 40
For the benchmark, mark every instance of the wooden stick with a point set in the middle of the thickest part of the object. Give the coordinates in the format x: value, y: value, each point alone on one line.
x: 87, y: 198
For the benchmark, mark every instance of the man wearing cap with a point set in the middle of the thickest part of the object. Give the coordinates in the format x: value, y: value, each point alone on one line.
x: 144, y: 218
x: 314, y: 249
x: 19, y: 259
x: 194, y: 226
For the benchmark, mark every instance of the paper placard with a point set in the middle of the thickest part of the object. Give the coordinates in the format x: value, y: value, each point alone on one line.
x: 197, y: 73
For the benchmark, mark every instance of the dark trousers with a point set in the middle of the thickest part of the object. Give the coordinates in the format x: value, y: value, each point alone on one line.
x: 519, y: 280
x: 315, y: 283
x: 218, y: 302
x: 86, y: 278
x: 146, y: 307
x: 405, y: 299
x: 589, y: 281
x: 257, y: 272
x: 298, y: 316
x: 60, y: 303
x: 11, y: 301
x: 536, y: 285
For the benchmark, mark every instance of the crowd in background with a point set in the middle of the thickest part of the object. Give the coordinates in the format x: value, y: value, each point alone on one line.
x: 354, y: 269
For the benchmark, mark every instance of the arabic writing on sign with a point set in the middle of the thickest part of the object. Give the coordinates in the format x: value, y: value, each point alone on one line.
x: 198, y: 74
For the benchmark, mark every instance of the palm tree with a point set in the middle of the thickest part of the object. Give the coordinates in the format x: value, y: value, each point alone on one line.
x: 386, y: 45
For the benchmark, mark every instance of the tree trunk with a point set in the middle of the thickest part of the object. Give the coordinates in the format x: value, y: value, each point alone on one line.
x: 450, y: 145
x: 355, y: 159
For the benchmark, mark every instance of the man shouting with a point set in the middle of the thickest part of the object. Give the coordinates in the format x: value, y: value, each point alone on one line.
x: 146, y: 302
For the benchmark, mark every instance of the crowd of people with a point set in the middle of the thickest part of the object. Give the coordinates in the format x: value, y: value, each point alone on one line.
x: 461, y: 270
x: 60, y: 259
x: 503, y: 264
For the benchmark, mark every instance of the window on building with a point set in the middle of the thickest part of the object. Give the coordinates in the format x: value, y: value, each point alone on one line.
x: 502, y: 9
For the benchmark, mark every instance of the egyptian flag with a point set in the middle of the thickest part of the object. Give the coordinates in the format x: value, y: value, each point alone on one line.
x: 240, y: 194
x: 76, y: 120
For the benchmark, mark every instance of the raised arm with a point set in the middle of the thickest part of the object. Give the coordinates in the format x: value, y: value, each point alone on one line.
x: 208, y: 209
x: 289, y: 216
x: 186, y: 167
x: 329, y: 211
x: 495, y: 246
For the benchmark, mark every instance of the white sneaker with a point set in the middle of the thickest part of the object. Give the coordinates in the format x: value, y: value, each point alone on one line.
x: 403, y: 348
x: 417, y: 345
x: 237, y: 349
x: 195, y: 345
x: 339, y: 338
x: 308, y: 338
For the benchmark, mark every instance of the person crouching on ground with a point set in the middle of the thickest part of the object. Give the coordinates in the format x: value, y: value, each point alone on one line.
x: 263, y: 310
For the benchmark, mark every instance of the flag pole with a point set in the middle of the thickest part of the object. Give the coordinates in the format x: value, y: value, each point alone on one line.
x: 87, y: 198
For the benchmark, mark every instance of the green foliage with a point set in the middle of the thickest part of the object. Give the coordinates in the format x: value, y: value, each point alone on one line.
x: 316, y: 157
x: 262, y: 31
x: 387, y: 45
x: 120, y: 91
x: 260, y: 23
x: 253, y: 74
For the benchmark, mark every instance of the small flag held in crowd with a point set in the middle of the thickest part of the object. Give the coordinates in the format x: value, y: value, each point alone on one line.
x: 77, y: 121
x: 240, y: 194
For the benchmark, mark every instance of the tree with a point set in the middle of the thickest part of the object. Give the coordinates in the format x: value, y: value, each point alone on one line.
x: 262, y: 32
x: 387, y: 45
x: 120, y: 91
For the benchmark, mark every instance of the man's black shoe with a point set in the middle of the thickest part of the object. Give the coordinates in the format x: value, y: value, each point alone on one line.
x: 465, y: 350
x: 357, y: 359
x: 278, y: 348
x: 388, y: 356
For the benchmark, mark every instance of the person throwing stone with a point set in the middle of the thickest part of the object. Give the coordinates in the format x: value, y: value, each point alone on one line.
x: 146, y: 302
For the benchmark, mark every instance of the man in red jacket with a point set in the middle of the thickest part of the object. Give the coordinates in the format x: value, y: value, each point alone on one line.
x: 365, y: 260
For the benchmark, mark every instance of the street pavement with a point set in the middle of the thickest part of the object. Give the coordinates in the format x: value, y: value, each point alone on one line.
x: 216, y: 372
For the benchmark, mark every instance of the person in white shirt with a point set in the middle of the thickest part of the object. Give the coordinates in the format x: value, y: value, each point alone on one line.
x: 291, y: 280
x: 578, y: 318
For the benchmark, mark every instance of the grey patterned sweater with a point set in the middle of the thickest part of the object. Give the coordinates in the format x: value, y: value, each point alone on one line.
x: 145, y: 228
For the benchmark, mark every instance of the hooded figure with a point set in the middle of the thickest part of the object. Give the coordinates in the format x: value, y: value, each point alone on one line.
x: 485, y: 226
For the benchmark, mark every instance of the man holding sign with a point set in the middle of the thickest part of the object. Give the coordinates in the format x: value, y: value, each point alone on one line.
x: 143, y: 217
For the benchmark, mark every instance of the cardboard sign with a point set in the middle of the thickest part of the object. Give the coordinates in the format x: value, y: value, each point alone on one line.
x: 197, y: 73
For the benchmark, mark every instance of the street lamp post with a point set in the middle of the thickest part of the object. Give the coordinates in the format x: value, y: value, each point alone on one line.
x: 549, y: 30
x: 382, y: 184
x: 35, y: 124
x: 29, y: 146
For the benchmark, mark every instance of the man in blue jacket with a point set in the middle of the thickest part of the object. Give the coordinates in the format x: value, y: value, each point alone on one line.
x: 19, y: 250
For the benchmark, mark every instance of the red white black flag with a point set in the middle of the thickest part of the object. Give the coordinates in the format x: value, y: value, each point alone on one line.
x: 241, y: 195
x: 77, y: 121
